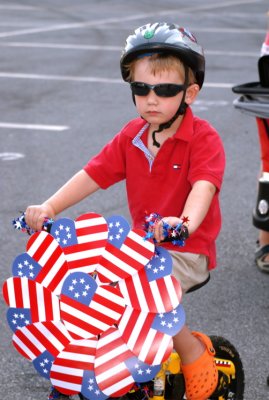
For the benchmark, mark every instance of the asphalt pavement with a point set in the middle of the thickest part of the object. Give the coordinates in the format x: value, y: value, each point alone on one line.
x: 62, y: 99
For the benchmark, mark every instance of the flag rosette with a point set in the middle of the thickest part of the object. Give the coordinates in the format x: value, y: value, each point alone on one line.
x: 93, y: 305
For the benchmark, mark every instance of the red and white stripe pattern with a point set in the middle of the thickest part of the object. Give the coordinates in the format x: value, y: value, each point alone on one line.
x: 112, y: 375
x: 45, y: 250
x: 92, y: 233
x: 82, y: 321
x: 67, y: 371
x: 25, y: 293
x: 134, y: 254
x: 148, y: 344
x: 32, y: 340
x: 161, y: 295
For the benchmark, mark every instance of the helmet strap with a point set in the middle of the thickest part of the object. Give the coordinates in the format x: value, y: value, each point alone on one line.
x: 181, y: 110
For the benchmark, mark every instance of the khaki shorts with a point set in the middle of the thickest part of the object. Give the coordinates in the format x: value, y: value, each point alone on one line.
x: 189, y: 269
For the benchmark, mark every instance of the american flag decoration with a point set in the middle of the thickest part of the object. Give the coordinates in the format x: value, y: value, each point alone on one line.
x: 112, y: 374
x: 45, y: 251
x: 141, y: 371
x: 22, y: 293
x: 160, y: 265
x: 25, y: 266
x: 68, y: 369
x: 170, y: 322
x: 118, y: 228
x: 148, y: 344
x: 41, y: 342
x: 93, y: 305
x: 90, y: 388
x: 161, y: 295
x: 88, y: 309
x: 82, y: 240
x: 126, y: 255
x: 17, y: 318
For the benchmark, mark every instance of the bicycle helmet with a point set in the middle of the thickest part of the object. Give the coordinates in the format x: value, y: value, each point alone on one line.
x: 161, y: 37
x: 164, y: 38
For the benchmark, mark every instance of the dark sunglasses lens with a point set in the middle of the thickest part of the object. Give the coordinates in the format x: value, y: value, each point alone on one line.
x: 140, y: 88
x: 161, y: 90
x: 168, y: 90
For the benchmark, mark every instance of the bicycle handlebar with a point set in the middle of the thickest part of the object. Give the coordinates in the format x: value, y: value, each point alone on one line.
x: 21, y: 225
x: 177, y: 235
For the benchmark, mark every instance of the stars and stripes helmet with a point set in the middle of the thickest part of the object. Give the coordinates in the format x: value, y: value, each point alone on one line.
x: 161, y: 37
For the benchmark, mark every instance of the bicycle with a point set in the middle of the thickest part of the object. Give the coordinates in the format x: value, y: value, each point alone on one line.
x: 168, y: 383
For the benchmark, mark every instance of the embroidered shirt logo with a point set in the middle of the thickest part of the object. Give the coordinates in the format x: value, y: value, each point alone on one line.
x: 176, y: 166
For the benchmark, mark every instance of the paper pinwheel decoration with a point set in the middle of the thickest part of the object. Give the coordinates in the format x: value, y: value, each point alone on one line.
x: 93, y: 305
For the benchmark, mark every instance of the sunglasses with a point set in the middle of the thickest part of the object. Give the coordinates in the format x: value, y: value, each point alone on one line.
x: 161, y: 90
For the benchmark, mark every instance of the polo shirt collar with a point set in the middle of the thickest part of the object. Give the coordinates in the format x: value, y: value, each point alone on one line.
x: 185, y: 130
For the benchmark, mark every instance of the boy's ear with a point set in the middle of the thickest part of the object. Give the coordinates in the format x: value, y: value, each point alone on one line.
x: 191, y: 93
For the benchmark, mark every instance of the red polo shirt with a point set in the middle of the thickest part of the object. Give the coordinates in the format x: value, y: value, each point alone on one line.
x: 195, y: 152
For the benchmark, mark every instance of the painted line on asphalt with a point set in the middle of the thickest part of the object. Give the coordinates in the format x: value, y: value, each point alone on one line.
x: 57, y: 128
x: 66, y: 46
x: 90, y: 79
x: 105, y: 21
x: 15, y: 7
x: 10, y: 156
x: 70, y: 78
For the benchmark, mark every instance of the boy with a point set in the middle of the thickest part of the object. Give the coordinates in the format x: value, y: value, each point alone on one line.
x: 173, y: 164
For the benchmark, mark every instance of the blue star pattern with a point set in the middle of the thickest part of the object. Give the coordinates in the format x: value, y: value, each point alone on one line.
x: 43, y: 364
x: 160, y: 265
x: 64, y: 231
x: 90, y: 388
x: 25, y: 266
x: 79, y: 286
x: 170, y: 322
x: 118, y: 229
x: 141, y: 372
x: 17, y: 318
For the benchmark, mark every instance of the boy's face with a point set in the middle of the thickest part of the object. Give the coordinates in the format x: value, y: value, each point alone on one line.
x: 154, y: 109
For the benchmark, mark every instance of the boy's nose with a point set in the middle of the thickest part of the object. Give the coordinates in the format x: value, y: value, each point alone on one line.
x: 152, y: 97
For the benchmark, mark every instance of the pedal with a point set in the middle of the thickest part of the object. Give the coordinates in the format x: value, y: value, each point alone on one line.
x: 223, y: 386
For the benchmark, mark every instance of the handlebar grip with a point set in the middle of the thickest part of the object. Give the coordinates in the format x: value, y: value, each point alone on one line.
x: 21, y: 225
x: 176, y: 235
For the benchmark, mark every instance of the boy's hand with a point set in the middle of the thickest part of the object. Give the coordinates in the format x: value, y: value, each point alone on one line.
x: 158, y: 228
x: 36, y: 214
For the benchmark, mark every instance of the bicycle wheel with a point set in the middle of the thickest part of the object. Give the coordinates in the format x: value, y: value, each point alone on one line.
x: 227, y: 352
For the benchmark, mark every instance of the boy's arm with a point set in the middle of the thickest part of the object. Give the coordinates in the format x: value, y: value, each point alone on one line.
x: 196, y: 208
x: 198, y: 203
x: 76, y: 189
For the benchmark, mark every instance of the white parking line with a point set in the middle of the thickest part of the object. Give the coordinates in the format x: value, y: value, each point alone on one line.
x: 15, y: 7
x: 105, y: 21
x: 61, y: 46
x: 38, y: 127
x: 93, y: 47
x: 71, y: 78
x: 90, y: 79
x: 10, y: 156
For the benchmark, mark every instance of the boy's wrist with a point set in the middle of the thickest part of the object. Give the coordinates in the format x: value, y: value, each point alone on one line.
x: 52, y: 212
